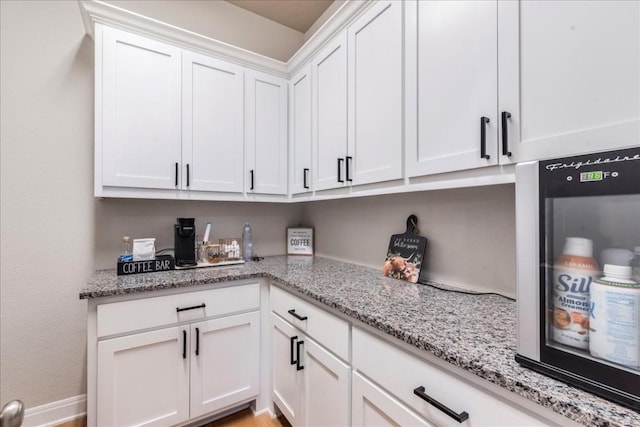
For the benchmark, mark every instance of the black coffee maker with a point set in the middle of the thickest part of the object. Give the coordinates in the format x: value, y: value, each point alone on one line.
x: 185, y: 242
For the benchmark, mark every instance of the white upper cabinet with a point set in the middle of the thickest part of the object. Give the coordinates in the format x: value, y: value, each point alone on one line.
x: 137, y: 130
x: 358, y: 102
x: 212, y: 124
x: 375, y: 86
x: 391, y: 99
x: 266, y: 133
x: 453, y: 47
x: 166, y: 118
x: 569, y: 76
x: 300, y: 131
x: 329, y: 75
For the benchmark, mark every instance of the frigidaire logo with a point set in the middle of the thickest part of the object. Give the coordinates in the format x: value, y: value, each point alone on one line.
x: 599, y: 161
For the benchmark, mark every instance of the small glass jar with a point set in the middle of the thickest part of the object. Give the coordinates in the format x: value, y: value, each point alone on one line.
x: 213, y: 254
x: 201, y: 251
x: 231, y: 248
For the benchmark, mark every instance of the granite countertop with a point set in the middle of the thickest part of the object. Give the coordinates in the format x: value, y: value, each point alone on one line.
x: 474, y: 332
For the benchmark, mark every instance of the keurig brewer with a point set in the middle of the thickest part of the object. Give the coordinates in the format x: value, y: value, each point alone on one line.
x: 185, y: 242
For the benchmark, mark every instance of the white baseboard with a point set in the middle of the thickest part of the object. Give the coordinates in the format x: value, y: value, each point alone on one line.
x: 62, y: 411
x: 263, y: 411
x: 54, y: 413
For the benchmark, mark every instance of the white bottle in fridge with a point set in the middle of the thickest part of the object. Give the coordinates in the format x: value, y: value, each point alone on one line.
x: 247, y: 242
x: 573, y: 273
x: 614, y: 332
x: 635, y: 264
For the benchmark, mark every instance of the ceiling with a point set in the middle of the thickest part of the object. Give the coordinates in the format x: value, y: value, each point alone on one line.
x: 296, y: 14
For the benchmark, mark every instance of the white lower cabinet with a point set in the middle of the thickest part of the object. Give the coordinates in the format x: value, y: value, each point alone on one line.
x: 182, y: 358
x: 143, y: 379
x: 225, y: 362
x: 207, y: 359
x: 311, y: 385
x: 287, y: 380
x: 372, y: 406
x: 416, y: 388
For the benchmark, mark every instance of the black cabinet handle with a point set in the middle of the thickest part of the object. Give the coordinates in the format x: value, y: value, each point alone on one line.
x: 184, y: 344
x: 505, y: 137
x: 461, y: 417
x: 251, y: 172
x: 299, y: 367
x: 293, y: 340
x: 305, y: 172
x: 349, y: 158
x: 483, y: 138
x: 296, y: 315
x: 179, y: 309
x: 187, y: 174
x: 197, y: 341
x: 340, y: 170
x: 176, y: 174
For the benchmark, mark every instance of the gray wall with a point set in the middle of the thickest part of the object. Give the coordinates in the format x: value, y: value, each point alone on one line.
x: 47, y: 210
x: 115, y: 218
x: 54, y: 234
x: 222, y: 21
x: 470, y: 232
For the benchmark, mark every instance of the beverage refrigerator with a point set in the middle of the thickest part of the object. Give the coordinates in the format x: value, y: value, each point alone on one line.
x: 578, y: 271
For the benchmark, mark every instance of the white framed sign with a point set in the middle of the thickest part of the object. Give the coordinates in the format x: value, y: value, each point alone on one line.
x: 299, y: 241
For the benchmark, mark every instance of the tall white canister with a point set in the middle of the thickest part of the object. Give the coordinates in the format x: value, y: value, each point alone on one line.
x: 614, y: 323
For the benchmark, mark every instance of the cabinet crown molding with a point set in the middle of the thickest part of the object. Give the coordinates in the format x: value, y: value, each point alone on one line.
x: 95, y: 11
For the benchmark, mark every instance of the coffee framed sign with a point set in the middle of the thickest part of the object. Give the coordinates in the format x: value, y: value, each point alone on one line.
x: 300, y: 241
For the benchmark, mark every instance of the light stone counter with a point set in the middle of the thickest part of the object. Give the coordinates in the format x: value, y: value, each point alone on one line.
x: 481, y: 341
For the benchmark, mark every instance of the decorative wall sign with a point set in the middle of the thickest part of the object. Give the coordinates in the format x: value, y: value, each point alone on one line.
x: 406, y: 253
x: 299, y: 241
x: 160, y: 263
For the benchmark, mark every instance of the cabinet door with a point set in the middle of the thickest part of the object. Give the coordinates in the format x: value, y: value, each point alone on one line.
x: 329, y: 72
x: 371, y: 406
x: 212, y: 124
x: 375, y: 44
x: 143, y: 379
x: 287, y: 379
x: 225, y: 362
x: 300, y: 124
x: 326, y: 387
x: 137, y: 111
x: 569, y: 76
x: 372, y: 356
x: 266, y: 133
x: 456, y: 83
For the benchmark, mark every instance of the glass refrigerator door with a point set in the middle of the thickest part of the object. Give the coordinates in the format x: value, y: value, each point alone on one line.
x: 590, y: 225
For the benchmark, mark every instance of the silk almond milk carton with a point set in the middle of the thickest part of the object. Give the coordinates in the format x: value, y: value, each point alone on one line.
x: 573, y: 273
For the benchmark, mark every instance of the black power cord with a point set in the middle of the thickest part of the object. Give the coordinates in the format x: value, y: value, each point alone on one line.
x: 457, y: 291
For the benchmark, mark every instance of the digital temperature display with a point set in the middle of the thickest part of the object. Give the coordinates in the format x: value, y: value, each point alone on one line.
x: 591, y: 176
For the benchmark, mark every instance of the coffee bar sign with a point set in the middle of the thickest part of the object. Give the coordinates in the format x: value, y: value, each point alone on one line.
x: 299, y: 241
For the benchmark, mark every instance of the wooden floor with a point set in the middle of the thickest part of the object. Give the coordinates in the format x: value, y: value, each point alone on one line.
x: 80, y: 422
x: 243, y: 418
